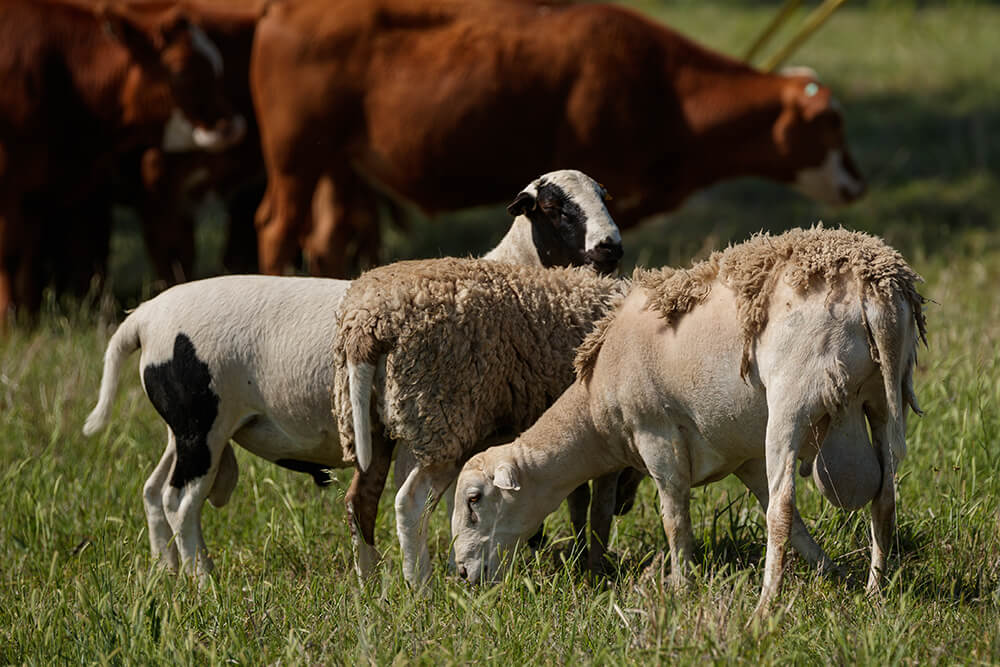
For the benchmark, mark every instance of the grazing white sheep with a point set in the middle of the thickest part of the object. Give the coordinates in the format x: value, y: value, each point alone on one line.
x: 776, y: 349
x: 247, y: 359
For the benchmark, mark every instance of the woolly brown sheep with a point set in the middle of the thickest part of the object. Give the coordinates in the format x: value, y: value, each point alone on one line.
x: 459, y: 354
x: 773, y: 350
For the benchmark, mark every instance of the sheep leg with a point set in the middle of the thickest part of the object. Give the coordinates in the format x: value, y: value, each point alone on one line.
x: 668, y: 462
x: 183, y: 500
x: 225, y: 478
x: 753, y: 474
x: 883, y: 508
x: 579, y: 502
x: 404, y: 465
x: 628, y: 487
x: 787, y: 428
x: 161, y: 537
x: 602, y: 510
x: 414, y: 504
x: 362, y: 504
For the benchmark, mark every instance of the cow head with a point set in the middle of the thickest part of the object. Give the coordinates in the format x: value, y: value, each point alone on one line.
x: 570, y: 224
x: 809, y: 135
x: 173, y: 50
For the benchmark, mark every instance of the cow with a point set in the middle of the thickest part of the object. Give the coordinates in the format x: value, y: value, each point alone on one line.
x: 450, y: 104
x: 165, y: 182
x: 79, y: 83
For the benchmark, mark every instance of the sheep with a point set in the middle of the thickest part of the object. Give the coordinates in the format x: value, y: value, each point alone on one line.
x: 460, y: 354
x: 247, y: 358
x: 774, y: 349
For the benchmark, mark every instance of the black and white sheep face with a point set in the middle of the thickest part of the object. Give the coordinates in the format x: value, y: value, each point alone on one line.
x: 479, y: 536
x: 570, y: 224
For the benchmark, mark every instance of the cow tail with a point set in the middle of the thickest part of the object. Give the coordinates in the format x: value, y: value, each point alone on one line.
x: 123, y: 343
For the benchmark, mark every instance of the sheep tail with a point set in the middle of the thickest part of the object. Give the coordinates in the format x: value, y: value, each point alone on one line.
x: 895, y: 358
x: 123, y: 343
x: 360, y: 378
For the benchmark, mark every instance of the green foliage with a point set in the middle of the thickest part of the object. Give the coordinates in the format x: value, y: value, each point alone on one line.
x: 77, y: 583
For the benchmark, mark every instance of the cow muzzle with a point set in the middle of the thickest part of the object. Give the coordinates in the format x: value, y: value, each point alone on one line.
x: 224, y: 134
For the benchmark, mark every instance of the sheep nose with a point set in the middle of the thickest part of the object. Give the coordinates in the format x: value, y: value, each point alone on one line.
x: 605, y: 255
x: 462, y: 572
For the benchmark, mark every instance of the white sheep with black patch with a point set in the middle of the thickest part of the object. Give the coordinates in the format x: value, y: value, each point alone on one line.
x: 248, y: 359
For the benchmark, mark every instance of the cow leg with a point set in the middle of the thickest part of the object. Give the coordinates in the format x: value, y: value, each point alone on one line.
x: 787, y: 429
x: 161, y: 537
x: 602, y: 510
x: 283, y: 219
x: 168, y: 226
x: 753, y: 474
x: 20, y: 249
x: 414, y: 504
x: 6, y: 275
x: 344, y: 212
x: 666, y: 457
x: 883, y: 507
x: 362, y: 505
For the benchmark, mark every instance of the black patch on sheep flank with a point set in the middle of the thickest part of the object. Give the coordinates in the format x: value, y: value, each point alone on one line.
x: 179, y: 389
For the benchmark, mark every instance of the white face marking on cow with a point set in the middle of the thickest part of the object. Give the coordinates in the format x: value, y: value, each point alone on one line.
x: 589, y: 196
x: 830, y: 182
x: 203, y: 45
x: 180, y: 136
x: 220, y: 140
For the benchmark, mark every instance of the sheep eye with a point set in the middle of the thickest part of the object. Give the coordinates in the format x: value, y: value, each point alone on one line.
x: 474, y: 498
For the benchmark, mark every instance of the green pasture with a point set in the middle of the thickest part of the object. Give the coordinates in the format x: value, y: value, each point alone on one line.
x: 919, y: 84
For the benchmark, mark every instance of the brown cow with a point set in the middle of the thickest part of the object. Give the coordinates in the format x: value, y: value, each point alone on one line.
x: 79, y: 83
x: 452, y: 103
x: 166, y: 182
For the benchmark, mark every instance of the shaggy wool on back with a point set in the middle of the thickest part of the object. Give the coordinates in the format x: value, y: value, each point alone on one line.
x: 815, y: 258
x: 472, y: 348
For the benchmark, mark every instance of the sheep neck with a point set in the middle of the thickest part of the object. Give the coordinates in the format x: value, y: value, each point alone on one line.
x: 563, y: 450
x: 517, y: 246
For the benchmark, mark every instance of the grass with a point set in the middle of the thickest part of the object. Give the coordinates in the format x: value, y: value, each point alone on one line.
x: 77, y: 584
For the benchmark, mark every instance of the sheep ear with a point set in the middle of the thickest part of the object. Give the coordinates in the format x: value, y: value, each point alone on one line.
x: 505, y: 477
x: 523, y: 203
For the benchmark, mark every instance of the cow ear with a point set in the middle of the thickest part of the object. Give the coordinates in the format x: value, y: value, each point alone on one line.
x: 813, y: 101
x: 505, y: 477
x: 523, y: 203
